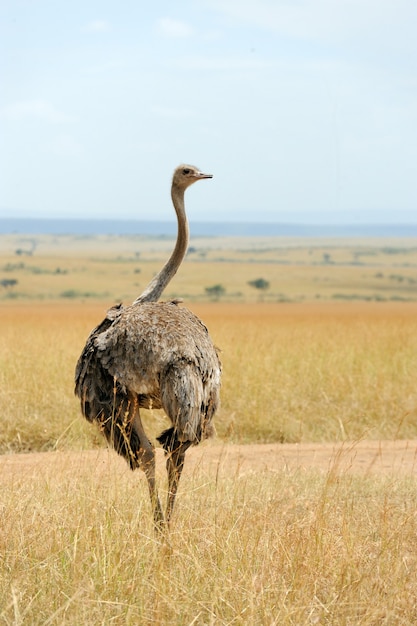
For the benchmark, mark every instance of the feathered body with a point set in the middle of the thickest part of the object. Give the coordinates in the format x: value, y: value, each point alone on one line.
x: 160, y: 353
x: 153, y: 354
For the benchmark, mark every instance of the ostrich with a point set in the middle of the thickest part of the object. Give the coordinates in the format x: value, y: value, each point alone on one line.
x: 153, y: 354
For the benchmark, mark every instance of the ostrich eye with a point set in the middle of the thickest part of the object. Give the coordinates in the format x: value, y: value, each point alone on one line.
x: 185, y: 171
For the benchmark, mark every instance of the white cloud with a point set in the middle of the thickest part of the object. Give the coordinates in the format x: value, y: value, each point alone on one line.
x: 97, y: 26
x: 169, y: 27
x: 34, y: 109
x: 326, y: 20
x: 173, y: 113
x: 218, y: 64
x: 105, y: 68
x: 64, y: 145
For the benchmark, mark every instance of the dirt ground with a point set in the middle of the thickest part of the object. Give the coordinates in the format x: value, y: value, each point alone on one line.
x: 396, y: 458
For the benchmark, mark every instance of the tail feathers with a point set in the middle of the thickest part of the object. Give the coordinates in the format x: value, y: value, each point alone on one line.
x: 113, y: 421
x: 166, y: 437
x: 189, y: 401
x: 170, y: 440
x: 122, y: 437
x: 171, y: 443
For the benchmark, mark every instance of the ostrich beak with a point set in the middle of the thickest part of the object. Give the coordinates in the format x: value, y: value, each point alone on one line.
x: 202, y: 175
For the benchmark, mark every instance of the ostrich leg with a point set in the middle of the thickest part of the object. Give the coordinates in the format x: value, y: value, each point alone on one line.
x: 175, y: 463
x: 146, y: 461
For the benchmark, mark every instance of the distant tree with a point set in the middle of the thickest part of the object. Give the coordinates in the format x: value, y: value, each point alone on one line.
x: 215, y: 291
x: 8, y: 282
x: 259, y: 283
x: 25, y: 251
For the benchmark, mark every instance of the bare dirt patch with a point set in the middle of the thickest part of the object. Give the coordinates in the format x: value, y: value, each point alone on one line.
x: 396, y: 458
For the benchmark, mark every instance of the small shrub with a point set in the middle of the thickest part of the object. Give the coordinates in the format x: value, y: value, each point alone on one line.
x: 259, y: 283
x: 71, y: 293
x: 215, y: 291
x: 8, y: 282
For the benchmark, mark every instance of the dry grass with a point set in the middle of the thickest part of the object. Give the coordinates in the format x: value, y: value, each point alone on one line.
x: 318, y: 372
x: 278, y: 548
x: 291, y: 373
x: 113, y: 268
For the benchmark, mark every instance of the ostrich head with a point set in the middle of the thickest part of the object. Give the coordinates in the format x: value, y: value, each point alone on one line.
x: 186, y: 175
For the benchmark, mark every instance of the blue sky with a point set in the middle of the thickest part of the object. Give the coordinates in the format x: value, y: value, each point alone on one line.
x: 304, y: 110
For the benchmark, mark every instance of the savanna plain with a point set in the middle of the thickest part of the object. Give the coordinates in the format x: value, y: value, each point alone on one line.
x: 303, y: 509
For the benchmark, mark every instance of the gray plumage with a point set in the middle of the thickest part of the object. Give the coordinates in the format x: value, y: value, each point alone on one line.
x: 153, y: 355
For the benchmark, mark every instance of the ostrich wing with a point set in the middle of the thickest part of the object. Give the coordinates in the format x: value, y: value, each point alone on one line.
x: 92, y: 384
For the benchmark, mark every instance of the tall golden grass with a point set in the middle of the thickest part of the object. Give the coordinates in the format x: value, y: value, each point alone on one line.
x: 291, y: 372
x: 319, y: 372
x: 276, y: 547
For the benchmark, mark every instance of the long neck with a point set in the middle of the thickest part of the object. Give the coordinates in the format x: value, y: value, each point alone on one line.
x: 153, y: 291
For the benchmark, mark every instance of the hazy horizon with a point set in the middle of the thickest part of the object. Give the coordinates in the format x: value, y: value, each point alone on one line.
x: 158, y: 228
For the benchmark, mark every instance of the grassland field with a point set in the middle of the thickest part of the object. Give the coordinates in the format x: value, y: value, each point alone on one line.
x: 113, y: 268
x: 325, y: 356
